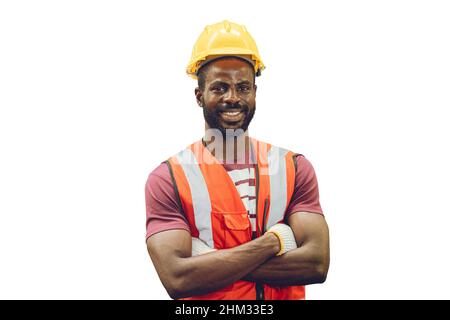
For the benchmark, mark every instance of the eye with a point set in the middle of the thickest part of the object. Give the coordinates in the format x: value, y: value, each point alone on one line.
x: 244, y: 88
x: 218, y: 89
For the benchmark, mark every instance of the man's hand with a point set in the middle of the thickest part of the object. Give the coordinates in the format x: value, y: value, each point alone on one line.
x: 282, y: 231
x: 305, y: 265
x: 285, y: 236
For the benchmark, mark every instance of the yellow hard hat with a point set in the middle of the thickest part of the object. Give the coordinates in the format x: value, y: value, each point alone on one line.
x: 224, y: 39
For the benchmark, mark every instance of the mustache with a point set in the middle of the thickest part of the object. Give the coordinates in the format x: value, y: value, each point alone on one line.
x: 232, y: 106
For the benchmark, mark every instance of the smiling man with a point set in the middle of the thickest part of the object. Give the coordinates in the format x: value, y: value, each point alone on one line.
x: 231, y: 217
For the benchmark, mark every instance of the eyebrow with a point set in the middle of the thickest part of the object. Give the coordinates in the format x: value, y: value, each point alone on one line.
x: 220, y: 82
x: 245, y: 82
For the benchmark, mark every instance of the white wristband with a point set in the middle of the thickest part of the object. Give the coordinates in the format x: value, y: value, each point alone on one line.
x: 285, y: 236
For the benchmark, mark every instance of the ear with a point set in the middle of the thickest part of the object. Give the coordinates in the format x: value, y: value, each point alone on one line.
x: 199, y: 97
x: 256, y: 87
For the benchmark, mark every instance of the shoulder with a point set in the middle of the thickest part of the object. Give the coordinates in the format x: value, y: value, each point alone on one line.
x: 306, y: 189
x: 162, y: 206
x: 304, y: 172
x: 303, y: 164
x: 159, y: 177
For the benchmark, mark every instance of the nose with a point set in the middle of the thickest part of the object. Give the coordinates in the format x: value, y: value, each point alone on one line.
x: 231, y: 96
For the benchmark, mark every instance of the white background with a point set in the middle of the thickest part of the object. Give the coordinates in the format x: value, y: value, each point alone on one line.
x: 93, y: 96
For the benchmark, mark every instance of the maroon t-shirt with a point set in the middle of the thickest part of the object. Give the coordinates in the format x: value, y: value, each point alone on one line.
x: 164, y: 213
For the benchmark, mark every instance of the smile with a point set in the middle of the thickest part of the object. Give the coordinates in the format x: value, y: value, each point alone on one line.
x: 232, y: 116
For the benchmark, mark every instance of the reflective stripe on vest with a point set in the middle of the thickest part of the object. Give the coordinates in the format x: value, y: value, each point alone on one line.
x: 200, y: 196
x: 278, y: 184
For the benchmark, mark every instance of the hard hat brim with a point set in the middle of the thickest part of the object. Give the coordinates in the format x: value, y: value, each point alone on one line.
x: 199, y: 61
x: 215, y: 58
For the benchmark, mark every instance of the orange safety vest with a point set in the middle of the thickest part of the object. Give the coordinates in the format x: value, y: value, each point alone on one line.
x: 216, y: 214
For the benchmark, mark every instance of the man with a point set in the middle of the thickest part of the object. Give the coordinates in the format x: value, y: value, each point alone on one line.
x: 230, y: 217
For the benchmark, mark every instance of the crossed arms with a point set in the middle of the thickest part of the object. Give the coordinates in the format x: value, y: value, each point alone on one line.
x: 183, y: 275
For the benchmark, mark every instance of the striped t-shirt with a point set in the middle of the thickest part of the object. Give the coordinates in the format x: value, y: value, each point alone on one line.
x: 243, y: 176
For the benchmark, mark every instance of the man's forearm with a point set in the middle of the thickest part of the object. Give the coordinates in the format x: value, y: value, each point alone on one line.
x: 210, y: 272
x: 300, y: 266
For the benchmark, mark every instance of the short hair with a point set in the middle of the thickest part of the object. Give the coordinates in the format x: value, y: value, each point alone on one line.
x: 201, y: 77
x: 201, y: 72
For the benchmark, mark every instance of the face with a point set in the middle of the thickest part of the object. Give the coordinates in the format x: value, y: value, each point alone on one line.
x: 228, y: 97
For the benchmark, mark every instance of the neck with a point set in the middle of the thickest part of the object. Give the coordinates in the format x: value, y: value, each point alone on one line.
x: 233, y: 147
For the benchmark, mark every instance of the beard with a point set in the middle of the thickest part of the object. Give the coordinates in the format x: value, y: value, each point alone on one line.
x: 214, y: 118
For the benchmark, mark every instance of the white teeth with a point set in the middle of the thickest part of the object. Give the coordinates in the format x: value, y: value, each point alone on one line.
x: 232, y: 113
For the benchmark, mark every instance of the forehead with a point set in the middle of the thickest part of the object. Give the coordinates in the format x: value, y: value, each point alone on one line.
x: 229, y: 69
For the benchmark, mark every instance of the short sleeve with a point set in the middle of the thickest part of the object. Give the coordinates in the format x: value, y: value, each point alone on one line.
x: 162, y: 208
x: 306, y: 189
